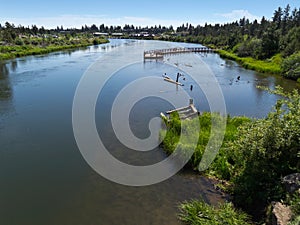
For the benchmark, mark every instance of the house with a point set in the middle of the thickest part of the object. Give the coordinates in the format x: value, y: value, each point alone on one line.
x: 117, y: 34
x: 98, y: 34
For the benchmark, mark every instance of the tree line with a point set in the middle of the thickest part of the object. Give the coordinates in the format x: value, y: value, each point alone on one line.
x: 261, y: 40
x: 281, y: 34
x: 9, y: 31
x: 21, y: 41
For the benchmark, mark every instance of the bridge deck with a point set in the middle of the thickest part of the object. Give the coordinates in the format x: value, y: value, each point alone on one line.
x: 159, y: 53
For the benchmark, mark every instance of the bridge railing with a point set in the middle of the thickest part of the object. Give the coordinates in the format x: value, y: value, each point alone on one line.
x: 178, y: 50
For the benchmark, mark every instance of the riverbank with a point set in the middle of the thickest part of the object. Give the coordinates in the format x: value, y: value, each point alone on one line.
x: 14, y: 51
x: 272, y: 66
x: 254, y: 156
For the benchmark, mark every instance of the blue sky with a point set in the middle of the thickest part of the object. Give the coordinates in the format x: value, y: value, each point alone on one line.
x: 139, y: 13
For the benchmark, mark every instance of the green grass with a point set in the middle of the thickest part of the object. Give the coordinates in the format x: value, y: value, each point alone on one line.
x: 255, y: 155
x: 272, y: 66
x: 10, y: 52
x: 220, y: 167
x: 197, y: 212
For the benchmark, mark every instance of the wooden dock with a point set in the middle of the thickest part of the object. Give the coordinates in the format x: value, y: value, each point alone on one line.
x: 186, y: 112
x: 168, y: 79
x: 159, y: 53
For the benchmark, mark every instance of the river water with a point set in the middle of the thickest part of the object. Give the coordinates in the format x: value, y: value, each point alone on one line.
x: 43, y: 176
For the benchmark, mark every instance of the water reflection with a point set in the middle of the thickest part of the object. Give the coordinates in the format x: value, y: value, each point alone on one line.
x: 13, y: 65
x: 3, y: 70
x: 44, y: 179
x: 5, y: 86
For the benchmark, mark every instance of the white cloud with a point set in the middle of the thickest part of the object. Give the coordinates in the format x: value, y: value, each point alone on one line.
x: 238, y: 14
x: 71, y: 21
x: 76, y: 21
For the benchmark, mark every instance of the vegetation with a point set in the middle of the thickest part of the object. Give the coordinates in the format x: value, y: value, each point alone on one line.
x: 294, y: 202
x: 253, y: 44
x: 21, y: 41
x: 271, y: 46
x: 197, y: 212
x: 291, y: 66
x: 265, y: 151
x: 264, y: 66
x: 255, y: 154
x: 172, y: 136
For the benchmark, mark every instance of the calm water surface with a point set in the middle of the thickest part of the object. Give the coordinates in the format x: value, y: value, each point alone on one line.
x: 43, y: 177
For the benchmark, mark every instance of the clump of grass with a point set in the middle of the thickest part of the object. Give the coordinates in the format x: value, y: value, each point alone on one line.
x: 197, y: 212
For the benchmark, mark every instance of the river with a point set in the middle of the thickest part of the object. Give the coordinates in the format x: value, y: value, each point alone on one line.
x: 43, y: 176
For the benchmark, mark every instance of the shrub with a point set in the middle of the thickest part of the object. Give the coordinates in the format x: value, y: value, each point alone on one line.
x: 294, y: 202
x: 267, y: 150
x: 291, y: 66
x: 19, y: 41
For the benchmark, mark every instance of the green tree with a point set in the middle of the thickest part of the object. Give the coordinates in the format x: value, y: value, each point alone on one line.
x: 270, y: 43
x: 291, y: 66
x: 286, y: 19
x: 278, y: 16
x: 35, y: 29
x: 266, y: 150
x: 94, y: 28
x: 291, y: 41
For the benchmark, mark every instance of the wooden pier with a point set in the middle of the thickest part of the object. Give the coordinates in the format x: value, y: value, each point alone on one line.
x: 186, y: 112
x: 159, y: 53
x: 168, y: 79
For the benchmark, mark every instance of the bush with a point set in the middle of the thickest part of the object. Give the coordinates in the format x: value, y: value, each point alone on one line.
x: 291, y: 66
x: 294, y: 202
x: 255, y: 154
x: 35, y: 42
x: 252, y: 47
x: 19, y: 41
x: 267, y: 150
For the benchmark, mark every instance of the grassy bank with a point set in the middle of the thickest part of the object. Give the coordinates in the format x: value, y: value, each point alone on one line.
x: 172, y: 135
x: 264, y: 66
x: 272, y: 66
x: 14, y: 51
x: 254, y: 157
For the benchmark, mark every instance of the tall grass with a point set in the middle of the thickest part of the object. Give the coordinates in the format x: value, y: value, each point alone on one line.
x: 272, y: 66
x: 197, y: 212
x: 220, y: 167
